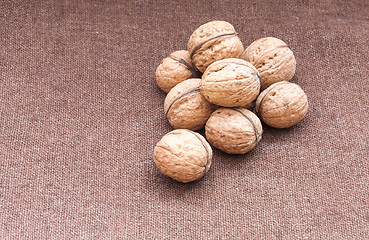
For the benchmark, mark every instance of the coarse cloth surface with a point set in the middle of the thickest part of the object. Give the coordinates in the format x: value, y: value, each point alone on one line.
x: 80, y: 114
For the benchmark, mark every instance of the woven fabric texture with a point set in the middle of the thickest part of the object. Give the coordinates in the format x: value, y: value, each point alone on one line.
x: 80, y: 114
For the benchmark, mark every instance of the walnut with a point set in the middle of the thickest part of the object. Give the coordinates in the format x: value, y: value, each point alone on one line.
x: 233, y: 130
x: 214, y: 41
x: 183, y: 155
x: 186, y: 107
x: 230, y: 82
x: 273, y: 59
x: 282, y: 105
x: 174, y: 69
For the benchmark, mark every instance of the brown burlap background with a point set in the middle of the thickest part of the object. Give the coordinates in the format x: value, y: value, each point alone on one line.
x: 80, y: 114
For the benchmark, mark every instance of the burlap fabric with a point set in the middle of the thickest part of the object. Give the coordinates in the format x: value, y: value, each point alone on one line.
x: 80, y: 114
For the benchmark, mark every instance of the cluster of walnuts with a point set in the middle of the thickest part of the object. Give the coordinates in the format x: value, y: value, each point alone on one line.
x: 215, y: 84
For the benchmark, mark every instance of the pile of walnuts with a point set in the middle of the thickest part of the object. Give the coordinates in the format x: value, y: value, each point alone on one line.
x: 216, y: 84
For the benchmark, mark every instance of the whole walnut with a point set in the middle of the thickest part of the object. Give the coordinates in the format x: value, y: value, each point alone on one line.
x: 230, y: 82
x: 185, y: 107
x: 282, y: 105
x: 214, y: 41
x: 273, y: 59
x: 183, y: 155
x: 174, y: 69
x: 233, y: 130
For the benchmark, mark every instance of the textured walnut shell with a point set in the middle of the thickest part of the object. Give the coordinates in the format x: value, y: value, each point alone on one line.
x: 183, y: 155
x: 233, y: 130
x: 174, y: 69
x: 185, y: 107
x: 282, y: 105
x: 214, y: 41
x: 273, y: 59
x: 230, y: 83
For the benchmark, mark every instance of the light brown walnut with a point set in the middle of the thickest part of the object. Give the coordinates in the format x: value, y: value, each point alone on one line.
x: 183, y: 155
x: 214, y: 41
x: 174, y: 69
x: 230, y: 83
x: 185, y: 107
x: 273, y: 59
x: 233, y: 130
x: 282, y: 105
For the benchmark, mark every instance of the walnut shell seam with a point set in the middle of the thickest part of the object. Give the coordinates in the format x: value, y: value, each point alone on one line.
x: 206, y: 149
x: 181, y: 60
x: 257, y: 135
x: 195, y: 90
x: 261, y: 101
x: 198, y: 47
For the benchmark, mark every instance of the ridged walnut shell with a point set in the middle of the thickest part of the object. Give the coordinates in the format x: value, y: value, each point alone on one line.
x: 214, y: 41
x: 183, y: 155
x: 273, y: 59
x: 230, y: 83
x: 233, y: 130
x: 282, y: 105
x: 174, y: 69
x: 185, y: 107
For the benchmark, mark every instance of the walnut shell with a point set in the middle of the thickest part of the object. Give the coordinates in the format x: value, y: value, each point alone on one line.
x: 185, y: 107
x: 183, y: 155
x: 214, y: 41
x: 233, y: 130
x: 174, y: 69
x: 230, y: 83
x: 273, y: 59
x: 282, y: 105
